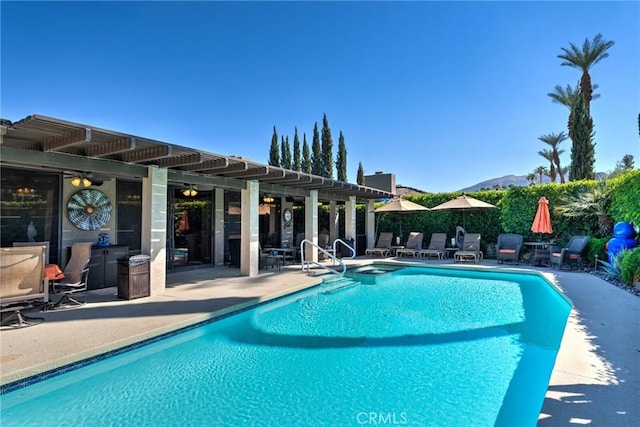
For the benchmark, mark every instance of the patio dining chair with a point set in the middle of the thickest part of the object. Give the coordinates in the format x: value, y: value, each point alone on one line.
x: 76, y: 275
x: 569, y: 256
x: 508, y: 248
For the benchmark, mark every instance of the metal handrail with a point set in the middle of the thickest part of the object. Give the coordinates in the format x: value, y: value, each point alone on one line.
x: 345, y: 244
x: 306, y: 264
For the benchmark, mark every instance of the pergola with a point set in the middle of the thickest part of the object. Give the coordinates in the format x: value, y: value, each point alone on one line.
x: 46, y: 143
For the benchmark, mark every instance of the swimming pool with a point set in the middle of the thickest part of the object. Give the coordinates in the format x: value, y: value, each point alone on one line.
x: 415, y: 346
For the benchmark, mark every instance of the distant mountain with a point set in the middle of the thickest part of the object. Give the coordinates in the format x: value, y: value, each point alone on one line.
x: 504, y: 181
x: 517, y: 180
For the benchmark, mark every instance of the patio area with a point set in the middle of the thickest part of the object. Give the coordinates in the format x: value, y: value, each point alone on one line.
x: 596, y: 379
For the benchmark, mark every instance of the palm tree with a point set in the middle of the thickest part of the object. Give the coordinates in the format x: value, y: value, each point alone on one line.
x: 553, y: 140
x: 583, y: 59
x: 548, y: 155
x: 589, y: 204
x: 531, y: 178
x: 540, y: 170
x: 569, y: 98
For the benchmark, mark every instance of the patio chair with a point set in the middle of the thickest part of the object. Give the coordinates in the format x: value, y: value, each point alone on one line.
x: 470, y: 250
x: 413, y: 246
x: 296, y: 245
x: 382, y: 247
x: 436, y: 247
x: 323, y: 242
x: 23, y: 284
x: 43, y: 243
x: 76, y: 274
x: 571, y: 255
x: 508, y: 248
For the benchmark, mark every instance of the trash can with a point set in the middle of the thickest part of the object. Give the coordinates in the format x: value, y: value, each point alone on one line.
x: 133, y: 277
x: 234, y: 250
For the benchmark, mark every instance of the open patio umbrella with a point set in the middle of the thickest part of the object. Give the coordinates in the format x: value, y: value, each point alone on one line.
x: 542, y: 220
x: 400, y: 206
x: 463, y: 203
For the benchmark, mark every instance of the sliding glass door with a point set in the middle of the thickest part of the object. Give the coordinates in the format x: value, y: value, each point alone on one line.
x: 189, y: 232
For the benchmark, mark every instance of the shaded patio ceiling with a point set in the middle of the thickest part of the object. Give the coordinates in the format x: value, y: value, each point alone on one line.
x: 54, y: 143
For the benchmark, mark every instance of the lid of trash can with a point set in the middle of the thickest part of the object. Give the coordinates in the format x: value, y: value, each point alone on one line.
x: 134, y: 260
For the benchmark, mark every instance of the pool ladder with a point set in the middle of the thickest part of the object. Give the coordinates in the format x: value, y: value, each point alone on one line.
x: 338, y: 269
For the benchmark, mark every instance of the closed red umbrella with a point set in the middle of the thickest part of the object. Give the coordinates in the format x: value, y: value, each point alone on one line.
x: 183, y: 224
x: 542, y: 220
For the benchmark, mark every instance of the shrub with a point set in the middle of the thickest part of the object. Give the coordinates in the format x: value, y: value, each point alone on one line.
x: 630, y: 267
x: 612, y: 269
x: 596, y: 246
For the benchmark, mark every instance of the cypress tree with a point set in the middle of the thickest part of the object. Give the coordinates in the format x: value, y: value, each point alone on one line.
x: 305, y: 165
x: 327, y: 149
x: 274, y: 153
x: 296, y: 151
x: 341, y: 161
x: 360, y: 178
x: 317, y: 168
x: 286, y: 153
x: 583, y: 149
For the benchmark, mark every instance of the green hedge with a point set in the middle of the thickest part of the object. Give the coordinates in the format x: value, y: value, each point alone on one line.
x: 517, y: 208
x: 521, y: 203
x: 625, y: 197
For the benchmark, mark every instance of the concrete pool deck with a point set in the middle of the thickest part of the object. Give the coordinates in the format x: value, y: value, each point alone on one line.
x: 596, y: 378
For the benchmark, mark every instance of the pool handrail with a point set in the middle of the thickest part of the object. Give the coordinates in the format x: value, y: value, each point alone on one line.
x: 345, y: 244
x: 306, y: 264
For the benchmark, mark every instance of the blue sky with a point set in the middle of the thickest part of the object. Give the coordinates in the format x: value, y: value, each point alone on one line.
x: 443, y: 94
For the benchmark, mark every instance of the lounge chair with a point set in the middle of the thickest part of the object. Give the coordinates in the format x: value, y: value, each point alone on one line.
x: 23, y: 284
x: 470, y: 250
x: 413, y: 246
x: 508, y: 248
x: 436, y: 247
x: 571, y: 255
x: 382, y: 247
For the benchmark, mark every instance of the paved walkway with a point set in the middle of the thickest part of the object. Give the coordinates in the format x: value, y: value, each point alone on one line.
x: 596, y: 380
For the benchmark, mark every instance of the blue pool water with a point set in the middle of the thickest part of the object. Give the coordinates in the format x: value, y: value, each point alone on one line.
x: 416, y: 346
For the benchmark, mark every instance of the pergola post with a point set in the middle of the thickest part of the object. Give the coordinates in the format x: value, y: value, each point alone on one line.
x: 334, y: 217
x: 218, y: 227
x: 370, y: 223
x: 311, y: 225
x: 350, y: 220
x: 154, y: 226
x: 249, y: 230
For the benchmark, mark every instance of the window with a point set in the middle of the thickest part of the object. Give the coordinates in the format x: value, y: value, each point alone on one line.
x: 30, y: 208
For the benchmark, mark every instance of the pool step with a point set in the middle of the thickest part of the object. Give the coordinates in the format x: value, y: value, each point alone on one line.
x: 336, y: 284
